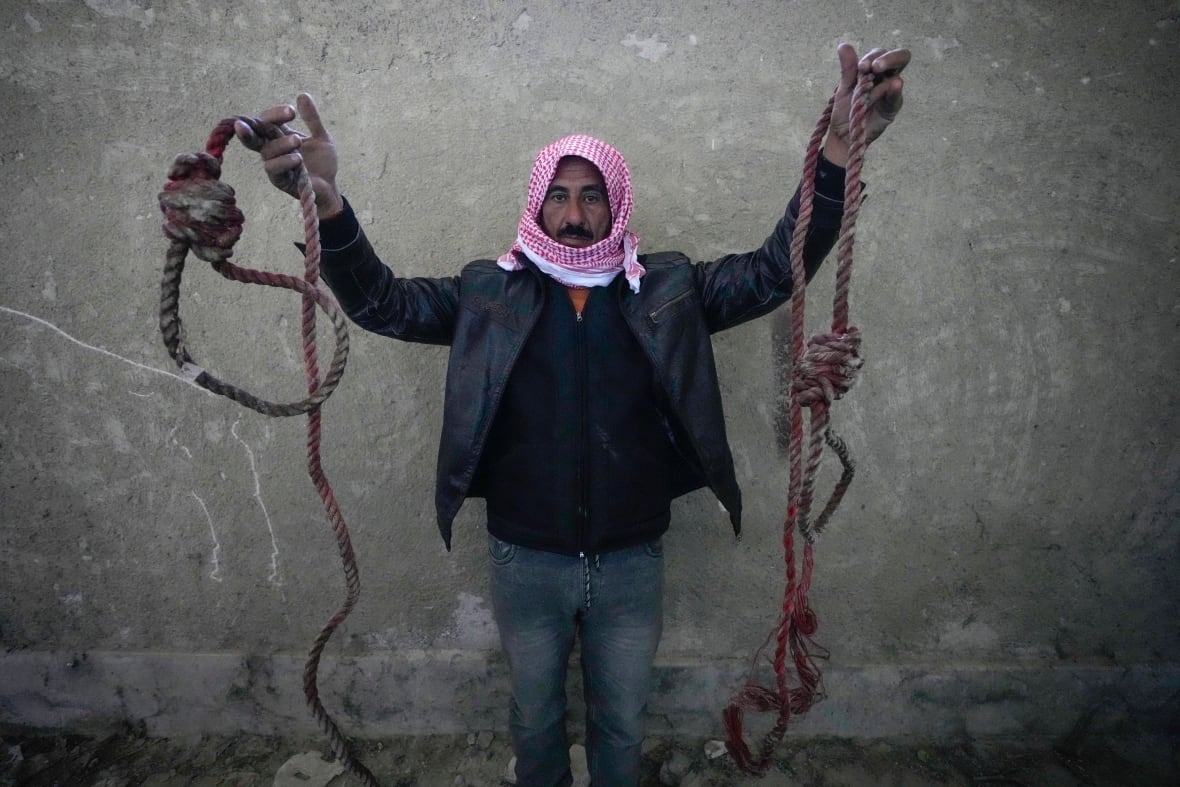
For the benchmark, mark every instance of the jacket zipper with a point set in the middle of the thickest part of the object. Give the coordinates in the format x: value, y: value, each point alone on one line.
x: 582, y: 360
x: 654, y: 315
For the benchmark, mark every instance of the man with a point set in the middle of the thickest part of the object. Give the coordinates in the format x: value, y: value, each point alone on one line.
x: 581, y: 399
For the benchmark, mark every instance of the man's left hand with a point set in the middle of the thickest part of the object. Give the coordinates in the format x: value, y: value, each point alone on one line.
x: 885, y: 97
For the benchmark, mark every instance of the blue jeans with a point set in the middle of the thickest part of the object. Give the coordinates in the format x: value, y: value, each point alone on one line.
x: 541, y: 601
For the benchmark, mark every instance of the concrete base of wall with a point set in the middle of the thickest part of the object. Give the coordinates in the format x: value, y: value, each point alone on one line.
x: 445, y: 692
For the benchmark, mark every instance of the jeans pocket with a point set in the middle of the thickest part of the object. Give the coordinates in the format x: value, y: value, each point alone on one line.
x: 501, y: 552
x: 655, y: 548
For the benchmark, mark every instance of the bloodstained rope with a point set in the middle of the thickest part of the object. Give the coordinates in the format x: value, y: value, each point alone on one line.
x: 822, y: 370
x: 201, y: 216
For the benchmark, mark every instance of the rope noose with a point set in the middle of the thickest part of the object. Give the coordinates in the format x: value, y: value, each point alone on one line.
x: 200, y: 215
x: 822, y: 370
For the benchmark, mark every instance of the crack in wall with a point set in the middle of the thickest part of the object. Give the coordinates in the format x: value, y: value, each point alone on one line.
x: 101, y: 351
x: 274, y: 577
x: 215, y: 574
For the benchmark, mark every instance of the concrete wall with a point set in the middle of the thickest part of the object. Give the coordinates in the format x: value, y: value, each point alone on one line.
x: 1005, y: 559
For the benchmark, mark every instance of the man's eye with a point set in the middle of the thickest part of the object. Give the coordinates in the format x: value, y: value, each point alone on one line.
x: 556, y: 197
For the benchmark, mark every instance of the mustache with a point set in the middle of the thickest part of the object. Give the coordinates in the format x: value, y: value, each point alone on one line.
x: 576, y: 231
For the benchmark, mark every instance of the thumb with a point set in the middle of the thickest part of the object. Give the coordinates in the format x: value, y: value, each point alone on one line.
x: 310, y: 115
x: 247, y: 136
x: 848, y: 65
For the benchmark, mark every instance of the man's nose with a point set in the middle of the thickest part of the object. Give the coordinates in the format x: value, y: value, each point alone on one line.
x: 575, y: 214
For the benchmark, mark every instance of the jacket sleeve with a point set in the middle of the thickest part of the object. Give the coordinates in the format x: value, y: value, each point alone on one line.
x: 740, y: 287
x: 412, y: 309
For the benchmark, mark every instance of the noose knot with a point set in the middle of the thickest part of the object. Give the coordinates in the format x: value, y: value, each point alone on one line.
x: 827, y: 368
x: 199, y: 210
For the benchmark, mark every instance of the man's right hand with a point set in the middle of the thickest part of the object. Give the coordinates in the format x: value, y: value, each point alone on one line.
x: 281, y: 157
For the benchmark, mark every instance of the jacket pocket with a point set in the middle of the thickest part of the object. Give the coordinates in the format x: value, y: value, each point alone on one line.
x: 483, y: 307
x: 666, y: 310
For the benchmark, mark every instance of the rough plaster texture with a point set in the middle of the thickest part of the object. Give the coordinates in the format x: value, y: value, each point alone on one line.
x: 1005, y: 559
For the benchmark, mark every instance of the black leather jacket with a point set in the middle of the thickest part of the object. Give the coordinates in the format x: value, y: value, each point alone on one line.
x: 486, y: 313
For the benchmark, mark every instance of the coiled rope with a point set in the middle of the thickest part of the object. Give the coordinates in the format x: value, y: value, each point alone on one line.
x: 200, y: 215
x: 822, y: 370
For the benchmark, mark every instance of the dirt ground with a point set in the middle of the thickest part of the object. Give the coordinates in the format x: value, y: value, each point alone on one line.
x: 125, y: 759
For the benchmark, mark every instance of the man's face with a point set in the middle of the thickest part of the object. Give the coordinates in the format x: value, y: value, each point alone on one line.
x: 576, y: 211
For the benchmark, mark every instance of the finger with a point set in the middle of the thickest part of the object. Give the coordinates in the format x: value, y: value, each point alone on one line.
x: 886, y: 98
x: 866, y: 61
x: 885, y: 85
x: 288, y: 131
x: 277, y: 116
x: 280, y: 146
x: 247, y: 136
x: 891, y: 63
x: 256, y: 131
x: 891, y: 103
x: 281, y: 165
x: 846, y: 54
x: 310, y: 115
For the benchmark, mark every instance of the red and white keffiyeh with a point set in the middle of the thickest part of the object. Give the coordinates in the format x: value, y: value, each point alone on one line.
x: 592, y: 266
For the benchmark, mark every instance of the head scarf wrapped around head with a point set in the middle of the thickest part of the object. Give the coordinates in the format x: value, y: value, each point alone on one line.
x: 595, y: 265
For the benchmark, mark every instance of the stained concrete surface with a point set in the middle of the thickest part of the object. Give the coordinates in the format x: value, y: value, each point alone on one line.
x: 481, y: 759
x: 1005, y: 558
